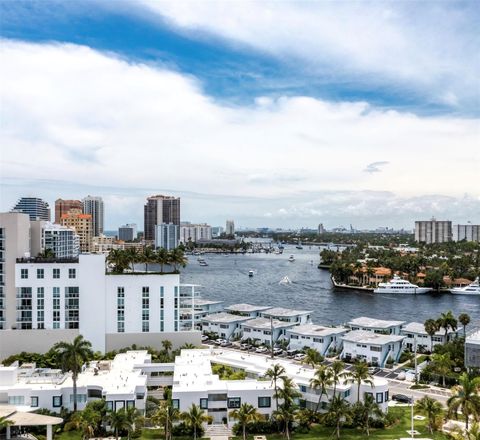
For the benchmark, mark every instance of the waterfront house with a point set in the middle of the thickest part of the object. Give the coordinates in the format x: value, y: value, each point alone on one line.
x: 292, y: 316
x: 374, y: 348
x: 259, y: 330
x: 224, y: 325
x: 376, y: 325
x: 472, y: 351
x: 204, y: 307
x: 249, y: 310
x: 416, y: 331
x: 323, y: 339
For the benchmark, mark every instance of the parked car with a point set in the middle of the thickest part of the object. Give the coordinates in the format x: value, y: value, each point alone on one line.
x: 219, y: 341
x: 244, y: 346
x: 402, y: 398
x: 277, y: 351
x: 226, y: 344
x: 299, y: 357
x: 261, y: 350
x: 204, y: 338
x: 291, y: 353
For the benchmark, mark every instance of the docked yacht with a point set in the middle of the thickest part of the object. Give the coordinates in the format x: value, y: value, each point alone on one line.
x: 471, y: 289
x: 400, y: 286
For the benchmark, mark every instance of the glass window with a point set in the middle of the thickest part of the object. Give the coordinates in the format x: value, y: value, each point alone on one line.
x: 57, y: 401
x: 130, y: 403
x: 204, y: 403
x: 16, y: 400
x: 34, y: 401
x: 40, y: 273
x: 379, y: 397
x: 386, y: 396
x: 145, y: 326
x: 56, y: 273
x: 72, y: 273
x: 109, y: 405
x: 234, y: 402
x: 175, y: 404
x: 24, y: 273
x: 264, y: 402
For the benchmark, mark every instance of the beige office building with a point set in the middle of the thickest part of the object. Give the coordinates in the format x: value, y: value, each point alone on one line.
x: 433, y: 231
x: 83, y: 225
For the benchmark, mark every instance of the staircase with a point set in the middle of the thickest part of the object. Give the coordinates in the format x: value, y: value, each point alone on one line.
x: 218, y: 432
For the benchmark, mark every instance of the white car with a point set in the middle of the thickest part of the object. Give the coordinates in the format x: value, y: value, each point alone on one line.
x: 299, y: 357
x: 261, y: 350
x: 204, y: 338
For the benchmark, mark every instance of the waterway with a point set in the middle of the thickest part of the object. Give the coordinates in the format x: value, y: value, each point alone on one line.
x: 226, y: 279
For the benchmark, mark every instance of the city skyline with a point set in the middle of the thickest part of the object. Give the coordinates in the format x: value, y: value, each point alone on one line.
x: 271, y: 132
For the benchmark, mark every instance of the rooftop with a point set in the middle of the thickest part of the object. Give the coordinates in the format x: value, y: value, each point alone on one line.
x: 280, y: 311
x: 246, y: 308
x: 317, y: 330
x: 419, y: 328
x: 366, y: 337
x: 474, y: 338
x: 364, y: 321
x: 224, y: 317
x: 205, y: 302
x: 52, y: 260
x: 264, y: 323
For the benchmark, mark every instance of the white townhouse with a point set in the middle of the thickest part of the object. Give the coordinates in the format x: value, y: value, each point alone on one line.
x: 249, y: 310
x: 297, y: 317
x: 225, y: 325
x: 120, y: 383
x: 374, y: 348
x: 376, y: 325
x: 262, y: 331
x: 59, y: 299
x: 323, y: 339
x: 415, y: 331
x: 472, y: 350
x: 204, y: 307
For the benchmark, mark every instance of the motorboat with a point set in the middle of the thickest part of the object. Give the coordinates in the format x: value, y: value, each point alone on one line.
x: 291, y: 258
x: 398, y: 285
x: 299, y: 245
x: 250, y: 273
x: 285, y: 280
x: 202, y: 262
x: 471, y: 289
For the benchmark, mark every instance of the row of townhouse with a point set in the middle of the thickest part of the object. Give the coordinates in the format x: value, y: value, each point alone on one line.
x: 376, y: 341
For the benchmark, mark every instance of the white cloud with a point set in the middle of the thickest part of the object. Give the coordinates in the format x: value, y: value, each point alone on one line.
x: 74, y: 114
x: 430, y: 47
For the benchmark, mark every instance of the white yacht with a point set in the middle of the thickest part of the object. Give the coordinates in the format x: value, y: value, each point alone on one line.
x: 471, y: 289
x: 291, y: 258
x: 285, y: 280
x: 250, y: 273
x: 400, y: 286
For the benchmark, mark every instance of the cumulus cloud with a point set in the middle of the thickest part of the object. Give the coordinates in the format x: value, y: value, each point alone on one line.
x: 432, y: 48
x: 75, y: 114
x: 375, y: 167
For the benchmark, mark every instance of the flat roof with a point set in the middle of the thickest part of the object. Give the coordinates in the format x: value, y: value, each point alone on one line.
x: 419, y: 328
x: 224, y: 317
x: 21, y: 418
x: 280, y: 311
x: 265, y: 324
x: 364, y: 321
x: 316, y: 330
x: 246, y: 308
x: 473, y: 338
x: 366, y: 337
x: 205, y: 302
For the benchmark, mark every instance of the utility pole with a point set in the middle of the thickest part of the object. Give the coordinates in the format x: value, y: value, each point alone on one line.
x: 415, y: 354
x: 271, y: 337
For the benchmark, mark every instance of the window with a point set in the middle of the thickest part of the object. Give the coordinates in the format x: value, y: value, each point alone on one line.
x: 57, y: 400
x: 175, y: 404
x: 109, y: 405
x: 377, y: 349
x: 367, y: 394
x: 120, y: 327
x: 130, y: 403
x: 234, y: 402
x: 379, y: 397
x: 145, y: 327
x: 94, y: 394
x: 34, y: 401
x: 72, y: 273
x: 23, y: 274
x: 303, y: 388
x: 346, y: 394
x: 264, y: 402
x: 40, y: 273
x: 16, y: 400
x: 204, y: 403
x: 81, y: 398
x: 56, y: 273
x: 140, y: 396
x: 386, y: 396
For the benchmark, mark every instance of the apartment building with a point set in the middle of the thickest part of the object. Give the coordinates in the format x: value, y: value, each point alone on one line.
x: 190, y: 232
x: 93, y: 206
x: 323, y: 339
x: 36, y: 208
x: 63, y: 206
x: 158, y: 210
x: 467, y: 232
x: 374, y: 325
x: 433, y: 231
x: 83, y: 226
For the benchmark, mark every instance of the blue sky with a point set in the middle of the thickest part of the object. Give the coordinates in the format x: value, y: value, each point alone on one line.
x: 297, y: 112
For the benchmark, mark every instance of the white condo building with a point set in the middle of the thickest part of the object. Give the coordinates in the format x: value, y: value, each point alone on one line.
x: 323, y: 339
x: 466, y: 232
x: 381, y: 326
x: 248, y: 310
x: 264, y: 331
x: 190, y: 232
x: 415, y: 333
x: 167, y: 236
x: 296, y: 317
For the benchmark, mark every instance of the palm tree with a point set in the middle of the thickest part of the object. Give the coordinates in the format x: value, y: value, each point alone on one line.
x: 118, y: 259
x: 118, y: 421
x: 46, y: 254
x: 447, y: 321
x: 79, y: 422
x: 321, y: 380
x: 464, y: 319
x: 337, y: 368
x: 442, y: 363
x: 165, y: 416
x: 431, y: 327
x: 177, y: 258
x: 73, y: 356
x: 167, y: 346
x: 431, y: 408
x: 5, y: 423
x: 245, y: 414
x: 285, y: 415
x: 339, y: 413
x: 288, y: 392
x: 369, y: 410
x: 312, y: 357
x: 274, y: 374
x: 133, y: 256
x: 195, y: 418
x: 360, y: 374
x: 466, y: 398
x: 133, y: 417
x: 148, y: 256
x: 162, y: 258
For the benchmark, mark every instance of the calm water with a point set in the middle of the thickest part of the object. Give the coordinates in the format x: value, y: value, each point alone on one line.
x: 226, y: 278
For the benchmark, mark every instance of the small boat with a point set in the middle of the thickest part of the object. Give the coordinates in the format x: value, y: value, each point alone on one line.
x: 285, y: 280
x: 291, y: 258
x: 471, y: 289
x: 250, y: 273
x: 202, y: 262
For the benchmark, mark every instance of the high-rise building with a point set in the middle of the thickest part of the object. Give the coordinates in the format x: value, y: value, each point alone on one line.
x: 217, y: 231
x: 167, y: 236
x: 321, y: 229
x: 433, y: 231
x: 159, y: 210
x: 14, y: 243
x: 63, y: 206
x: 62, y: 241
x: 83, y: 226
x: 193, y: 232
x: 466, y: 232
x: 36, y: 208
x: 127, y: 232
x: 94, y: 206
x: 230, y: 227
